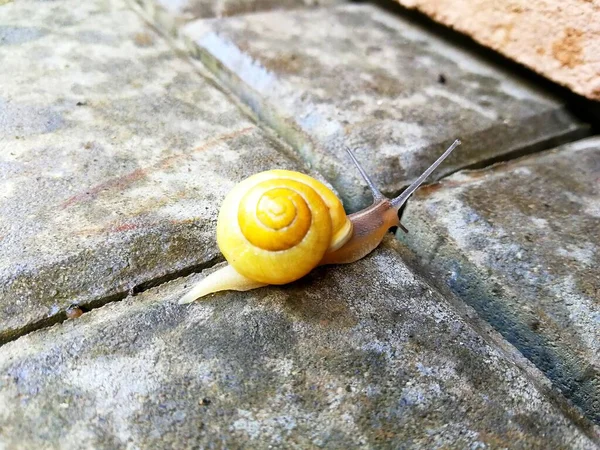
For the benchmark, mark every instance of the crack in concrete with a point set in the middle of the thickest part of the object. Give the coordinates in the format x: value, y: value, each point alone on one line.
x: 526, y: 150
x: 91, y: 305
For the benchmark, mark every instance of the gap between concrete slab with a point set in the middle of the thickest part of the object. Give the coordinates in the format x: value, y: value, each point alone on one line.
x: 86, y: 307
x: 525, y: 150
x: 492, y: 336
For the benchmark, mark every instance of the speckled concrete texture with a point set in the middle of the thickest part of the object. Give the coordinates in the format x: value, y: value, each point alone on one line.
x: 329, y: 361
x: 357, y: 76
x: 520, y: 243
x: 171, y: 15
x: 115, y: 156
x: 558, y: 38
x: 196, y: 9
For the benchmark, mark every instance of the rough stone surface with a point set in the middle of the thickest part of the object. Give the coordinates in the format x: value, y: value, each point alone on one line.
x: 356, y: 75
x: 558, y: 38
x: 115, y: 156
x: 520, y: 242
x: 171, y: 15
x: 325, y: 362
x: 183, y: 11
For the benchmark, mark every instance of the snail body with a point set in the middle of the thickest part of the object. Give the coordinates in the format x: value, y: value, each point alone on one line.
x: 276, y: 226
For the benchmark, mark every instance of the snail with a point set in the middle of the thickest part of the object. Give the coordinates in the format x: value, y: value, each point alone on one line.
x: 276, y: 226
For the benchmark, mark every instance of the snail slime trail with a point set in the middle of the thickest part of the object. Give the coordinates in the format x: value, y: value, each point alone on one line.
x: 276, y: 226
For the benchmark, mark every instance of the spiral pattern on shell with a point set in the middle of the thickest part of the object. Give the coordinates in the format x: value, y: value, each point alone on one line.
x: 274, y: 227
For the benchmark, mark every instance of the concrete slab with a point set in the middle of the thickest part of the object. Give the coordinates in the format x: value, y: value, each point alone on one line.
x: 356, y: 75
x: 330, y: 361
x: 520, y: 242
x: 115, y: 156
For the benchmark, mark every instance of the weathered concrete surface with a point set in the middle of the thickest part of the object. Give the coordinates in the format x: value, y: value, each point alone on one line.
x: 114, y: 158
x: 194, y: 9
x: 358, y: 76
x: 330, y: 362
x: 520, y: 242
x: 173, y: 13
x: 558, y: 38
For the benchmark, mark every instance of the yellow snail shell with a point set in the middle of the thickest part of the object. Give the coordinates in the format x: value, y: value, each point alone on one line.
x: 274, y: 227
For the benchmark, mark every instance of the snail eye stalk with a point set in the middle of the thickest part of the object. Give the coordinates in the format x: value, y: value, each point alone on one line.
x: 377, y: 195
x: 401, y: 199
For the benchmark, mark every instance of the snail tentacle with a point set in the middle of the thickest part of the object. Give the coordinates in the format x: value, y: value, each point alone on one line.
x: 401, y: 199
x: 224, y: 279
x: 377, y: 195
x: 370, y: 225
